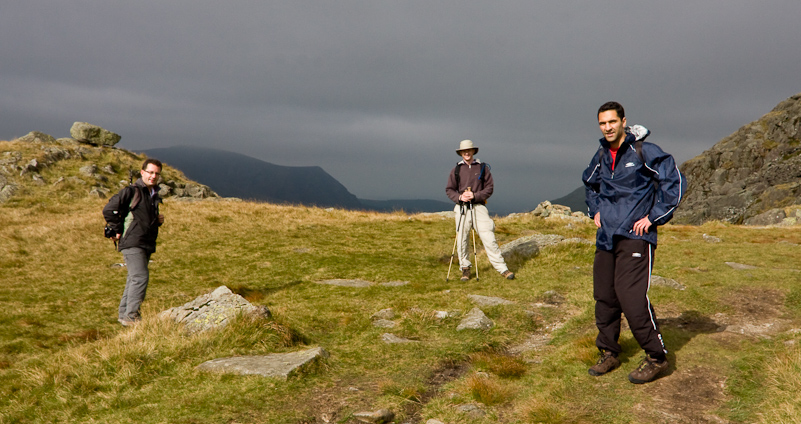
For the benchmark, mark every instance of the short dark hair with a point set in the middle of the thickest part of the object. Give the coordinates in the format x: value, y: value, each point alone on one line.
x: 152, y: 161
x: 617, y: 107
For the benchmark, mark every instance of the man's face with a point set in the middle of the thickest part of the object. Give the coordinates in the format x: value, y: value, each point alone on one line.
x: 150, y: 175
x: 613, y: 128
x: 467, y: 155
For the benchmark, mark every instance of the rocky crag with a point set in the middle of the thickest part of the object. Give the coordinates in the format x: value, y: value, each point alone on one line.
x: 85, y: 165
x: 752, y: 177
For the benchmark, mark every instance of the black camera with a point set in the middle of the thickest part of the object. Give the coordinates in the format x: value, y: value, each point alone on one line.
x: 109, y: 232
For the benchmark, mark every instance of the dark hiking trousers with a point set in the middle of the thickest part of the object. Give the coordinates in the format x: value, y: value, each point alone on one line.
x: 621, y: 279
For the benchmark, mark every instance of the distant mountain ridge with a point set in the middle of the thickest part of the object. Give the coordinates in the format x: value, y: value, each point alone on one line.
x: 236, y: 175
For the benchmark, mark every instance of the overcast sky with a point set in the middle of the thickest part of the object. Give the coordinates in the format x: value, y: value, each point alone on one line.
x: 379, y: 93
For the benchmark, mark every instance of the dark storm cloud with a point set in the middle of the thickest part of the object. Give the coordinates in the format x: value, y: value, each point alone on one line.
x: 380, y: 93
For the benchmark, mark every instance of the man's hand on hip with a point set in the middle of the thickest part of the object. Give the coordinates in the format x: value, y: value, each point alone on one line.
x: 641, y: 227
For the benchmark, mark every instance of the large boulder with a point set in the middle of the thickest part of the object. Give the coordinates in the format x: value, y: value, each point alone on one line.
x: 92, y: 134
x: 213, y: 310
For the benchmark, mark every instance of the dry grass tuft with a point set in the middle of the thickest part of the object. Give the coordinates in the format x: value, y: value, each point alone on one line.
x: 502, y: 365
x: 488, y: 391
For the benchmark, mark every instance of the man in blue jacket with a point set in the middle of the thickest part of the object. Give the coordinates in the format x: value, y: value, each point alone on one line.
x: 632, y: 187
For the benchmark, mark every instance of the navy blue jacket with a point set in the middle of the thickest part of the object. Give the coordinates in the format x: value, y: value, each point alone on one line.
x: 628, y: 194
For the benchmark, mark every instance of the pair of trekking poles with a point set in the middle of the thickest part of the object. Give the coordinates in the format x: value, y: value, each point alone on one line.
x: 459, y: 228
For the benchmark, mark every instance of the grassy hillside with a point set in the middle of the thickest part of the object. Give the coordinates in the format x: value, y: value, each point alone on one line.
x: 733, y: 334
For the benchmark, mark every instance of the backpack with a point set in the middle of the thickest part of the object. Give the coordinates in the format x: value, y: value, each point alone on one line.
x: 112, y: 211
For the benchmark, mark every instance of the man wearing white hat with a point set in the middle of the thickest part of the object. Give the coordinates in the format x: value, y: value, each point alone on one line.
x: 469, y: 186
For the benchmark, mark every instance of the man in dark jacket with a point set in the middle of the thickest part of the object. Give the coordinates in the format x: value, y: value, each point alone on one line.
x: 133, y: 214
x: 631, y: 188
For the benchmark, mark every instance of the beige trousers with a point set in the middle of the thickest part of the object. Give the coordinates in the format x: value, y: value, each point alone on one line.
x: 485, y: 228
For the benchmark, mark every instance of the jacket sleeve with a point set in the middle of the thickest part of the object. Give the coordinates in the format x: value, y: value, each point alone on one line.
x: 487, y: 187
x: 450, y: 189
x: 592, y: 184
x: 672, y: 184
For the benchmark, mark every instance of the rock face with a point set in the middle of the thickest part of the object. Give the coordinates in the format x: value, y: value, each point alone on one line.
x: 92, y: 134
x: 751, y: 172
x: 213, y: 310
x: 280, y: 365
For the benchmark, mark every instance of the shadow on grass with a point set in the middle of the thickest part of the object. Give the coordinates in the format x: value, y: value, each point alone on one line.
x: 257, y: 294
x: 680, y: 330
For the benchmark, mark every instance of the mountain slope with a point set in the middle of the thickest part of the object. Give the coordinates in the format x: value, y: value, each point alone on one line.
x: 750, y: 172
x: 235, y: 175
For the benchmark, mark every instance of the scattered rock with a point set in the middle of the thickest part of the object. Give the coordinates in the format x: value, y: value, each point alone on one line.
x: 711, y: 239
x: 37, y: 137
x: 433, y: 421
x: 485, y: 301
x: 391, y: 339
x: 346, y: 283
x: 441, y: 314
x: 279, y: 365
x: 383, y: 323
x: 471, y: 410
x: 735, y: 265
x: 394, y: 283
x: 382, y: 416
x: 475, y: 320
x: 93, y: 134
x: 387, y: 313
x: 213, y: 310
x: 666, y: 282
x: 528, y: 246
x: 552, y: 297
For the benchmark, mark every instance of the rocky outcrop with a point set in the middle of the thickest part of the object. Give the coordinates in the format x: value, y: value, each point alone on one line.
x: 751, y: 172
x: 83, y: 170
x: 92, y: 134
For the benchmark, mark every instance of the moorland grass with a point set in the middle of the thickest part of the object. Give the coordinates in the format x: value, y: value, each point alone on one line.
x: 64, y: 358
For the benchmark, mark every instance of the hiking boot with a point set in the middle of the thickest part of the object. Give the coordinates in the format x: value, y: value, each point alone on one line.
x: 648, y: 369
x: 126, y: 322
x: 509, y: 275
x: 465, y: 274
x: 607, y: 362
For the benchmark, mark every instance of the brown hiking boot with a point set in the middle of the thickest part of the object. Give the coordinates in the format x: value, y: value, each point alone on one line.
x: 465, y: 274
x: 607, y: 362
x: 648, y: 369
x: 509, y: 275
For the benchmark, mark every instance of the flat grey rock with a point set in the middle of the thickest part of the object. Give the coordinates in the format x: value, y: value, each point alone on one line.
x: 488, y: 300
x: 387, y: 313
x: 279, y: 365
x: 394, y: 283
x: 390, y: 338
x: 666, y: 282
x: 346, y: 283
x: 382, y: 416
x: 735, y: 265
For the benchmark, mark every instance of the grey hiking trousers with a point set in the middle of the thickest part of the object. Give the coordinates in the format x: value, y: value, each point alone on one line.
x: 136, y: 260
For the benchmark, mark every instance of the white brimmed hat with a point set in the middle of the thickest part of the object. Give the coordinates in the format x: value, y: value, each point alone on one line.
x: 466, y: 145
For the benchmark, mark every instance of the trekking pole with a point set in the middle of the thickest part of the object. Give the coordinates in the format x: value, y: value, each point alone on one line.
x: 458, y: 232
x: 473, y: 228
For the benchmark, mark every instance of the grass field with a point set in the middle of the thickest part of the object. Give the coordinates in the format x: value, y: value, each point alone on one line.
x: 64, y: 358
